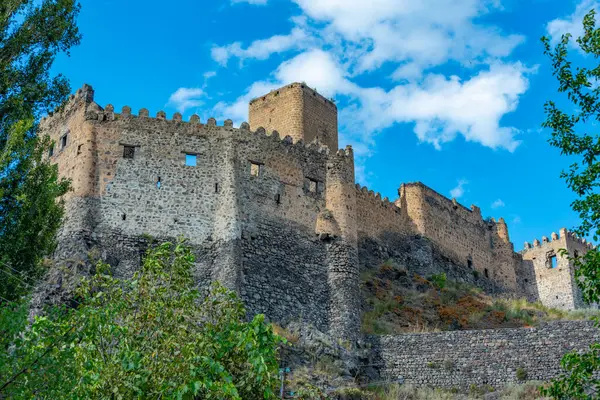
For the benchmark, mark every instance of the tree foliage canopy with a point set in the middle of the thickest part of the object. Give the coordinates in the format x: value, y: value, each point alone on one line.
x: 32, y: 33
x: 151, y: 336
x: 573, y: 133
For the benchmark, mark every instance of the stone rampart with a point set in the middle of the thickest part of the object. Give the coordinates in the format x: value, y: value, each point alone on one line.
x: 248, y: 203
x: 377, y: 218
x: 460, y: 233
x: 484, y: 357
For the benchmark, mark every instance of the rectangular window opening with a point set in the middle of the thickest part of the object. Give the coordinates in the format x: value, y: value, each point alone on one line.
x: 63, y: 142
x: 278, y: 198
x: 190, y: 160
x: 553, y: 262
x: 255, y: 169
x: 51, y: 151
x: 469, y: 263
x: 486, y: 272
x: 129, y: 152
x: 216, y: 188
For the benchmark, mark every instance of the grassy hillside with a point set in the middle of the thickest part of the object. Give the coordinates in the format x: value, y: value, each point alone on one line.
x: 396, y: 301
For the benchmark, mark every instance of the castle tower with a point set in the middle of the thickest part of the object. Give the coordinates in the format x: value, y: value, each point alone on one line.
x: 298, y: 111
x: 342, y: 251
x: 553, y: 273
x: 502, y: 230
x: 75, y: 152
x: 504, y: 264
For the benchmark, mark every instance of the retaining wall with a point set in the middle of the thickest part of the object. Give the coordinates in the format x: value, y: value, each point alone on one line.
x: 481, y: 357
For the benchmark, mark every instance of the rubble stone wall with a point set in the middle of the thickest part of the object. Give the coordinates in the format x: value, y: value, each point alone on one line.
x: 483, y: 357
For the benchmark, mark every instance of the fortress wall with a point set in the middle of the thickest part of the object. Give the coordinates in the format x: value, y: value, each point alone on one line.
x: 554, y: 287
x: 283, y: 261
x: 291, y: 184
x: 459, y: 233
x: 285, y: 273
x: 185, y: 202
x: 483, y: 357
x: 377, y: 218
x: 576, y: 245
x: 255, y: 232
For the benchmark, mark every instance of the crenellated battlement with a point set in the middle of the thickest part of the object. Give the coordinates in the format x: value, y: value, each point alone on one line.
x: 283, y: 90
x: 370, y: 195
x: 472, y: 213
x: 97, y: 114
x: 564, y: 236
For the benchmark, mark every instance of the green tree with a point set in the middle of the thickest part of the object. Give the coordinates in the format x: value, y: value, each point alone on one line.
x: 32, y: 33
x: 151, y: 336
x: 573, y: 133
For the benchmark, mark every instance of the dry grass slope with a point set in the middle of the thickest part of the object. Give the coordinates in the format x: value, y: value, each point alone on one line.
x: 396, y: 301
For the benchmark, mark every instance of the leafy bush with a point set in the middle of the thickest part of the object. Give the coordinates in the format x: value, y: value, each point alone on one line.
x: 438, y: 280
x: 151, y: 336
x: 521, y: 374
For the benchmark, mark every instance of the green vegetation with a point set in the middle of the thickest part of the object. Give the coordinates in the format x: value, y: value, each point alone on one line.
x: 398, y: 302
x: 521, y: 374
x: 528, y: 391
x: 573, y: 133
x: 31, y: 35
x: 151, y: 336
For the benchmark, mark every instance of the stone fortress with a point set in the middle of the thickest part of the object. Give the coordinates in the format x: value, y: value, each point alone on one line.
x: 273, y: 211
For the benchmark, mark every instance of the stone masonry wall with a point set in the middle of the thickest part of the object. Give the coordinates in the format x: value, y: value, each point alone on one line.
x: 320, y: 119
x: 279, y: 110
x: 460, y: 233
x: 485, y: 357
x: 377, y: 218
x: 457, y: 230
x: 249, y: 206
x: 548, y: 274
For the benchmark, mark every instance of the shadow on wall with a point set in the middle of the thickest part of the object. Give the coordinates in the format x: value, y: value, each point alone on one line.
x: 421, y: 256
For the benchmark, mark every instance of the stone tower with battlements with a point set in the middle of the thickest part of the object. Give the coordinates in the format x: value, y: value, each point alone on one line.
x: 271, y: 209
x: 547, y: 274
x: 299, y: 111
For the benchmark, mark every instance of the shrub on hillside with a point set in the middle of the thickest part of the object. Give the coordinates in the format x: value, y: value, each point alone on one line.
x: 151, y: 336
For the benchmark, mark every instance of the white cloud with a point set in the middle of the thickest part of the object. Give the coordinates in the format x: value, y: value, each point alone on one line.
x: 238, y: 110
x: 209, y: 74
x: 319, y: 69
x: 256, y: 2
x: 571, y: 24
x: 516, y: 220
x: 336, y: 42
x: 419, y: 33
x: 459, y: 190
x: 186, y: 98
x: 443, y: 107
x: 498, y: 203
x: 440, y: 108
x: 262, y: 49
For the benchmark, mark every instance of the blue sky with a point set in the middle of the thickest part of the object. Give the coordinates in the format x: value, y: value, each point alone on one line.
x: 447, y: 92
